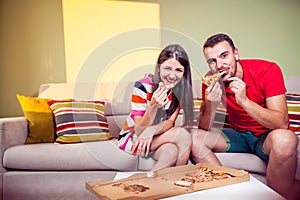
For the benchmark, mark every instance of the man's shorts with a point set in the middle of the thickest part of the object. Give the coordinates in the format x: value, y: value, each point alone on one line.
x: 244, y: 142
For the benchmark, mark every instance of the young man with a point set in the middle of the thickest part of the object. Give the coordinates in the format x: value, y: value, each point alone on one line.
x: 253, y: 93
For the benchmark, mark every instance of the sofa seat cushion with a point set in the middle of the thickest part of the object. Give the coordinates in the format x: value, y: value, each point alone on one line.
x: 102, y: 155
x: 242, y: 161
x: 55, y: 185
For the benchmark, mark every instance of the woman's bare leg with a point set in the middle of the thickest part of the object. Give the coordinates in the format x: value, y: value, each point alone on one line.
x: 166, y: 156
x: 178, y: 136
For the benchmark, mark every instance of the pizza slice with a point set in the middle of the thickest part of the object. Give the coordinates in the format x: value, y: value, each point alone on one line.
x: 169, y: 86
x: 212, y: 79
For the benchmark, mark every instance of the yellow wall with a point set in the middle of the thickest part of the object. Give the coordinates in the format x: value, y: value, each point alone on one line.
x: 32, y: 38
x: 94, y: 26
x: 31, y: 49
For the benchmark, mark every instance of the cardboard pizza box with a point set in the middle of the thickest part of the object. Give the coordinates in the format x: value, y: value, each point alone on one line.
x: 162, y: 183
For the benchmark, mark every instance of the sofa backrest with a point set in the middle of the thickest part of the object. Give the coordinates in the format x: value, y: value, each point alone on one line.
x: 117, y: 97
x: 119, y: 92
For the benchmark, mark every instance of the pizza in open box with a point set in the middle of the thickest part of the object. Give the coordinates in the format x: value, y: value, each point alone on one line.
x: 202, y: 174
x: 168, y: 182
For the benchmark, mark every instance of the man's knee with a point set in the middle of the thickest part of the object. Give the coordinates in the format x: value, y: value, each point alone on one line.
x: 199, y: 145
x: 211, y: 139
x: 282, y: 142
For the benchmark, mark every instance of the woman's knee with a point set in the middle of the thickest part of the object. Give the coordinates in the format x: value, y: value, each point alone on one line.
x: 183, y: 137
x: 167, y: 151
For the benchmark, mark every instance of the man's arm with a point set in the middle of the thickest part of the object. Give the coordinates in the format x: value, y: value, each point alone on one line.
x: 206, y: 115
x: 274, y: 116
x: 213, y: 95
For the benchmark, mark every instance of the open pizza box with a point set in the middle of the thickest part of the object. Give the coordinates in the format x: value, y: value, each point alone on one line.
x: 161, y: 183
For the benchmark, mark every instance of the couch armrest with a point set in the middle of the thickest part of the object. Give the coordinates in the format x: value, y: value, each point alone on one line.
x: 13, y: 131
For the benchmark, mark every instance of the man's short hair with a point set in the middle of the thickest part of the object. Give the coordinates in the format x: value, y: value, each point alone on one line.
x: 215, y: 39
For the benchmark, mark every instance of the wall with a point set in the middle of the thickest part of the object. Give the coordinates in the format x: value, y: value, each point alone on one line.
x: 101, y: 27
x: 266, y: 29
x: 31, y: 49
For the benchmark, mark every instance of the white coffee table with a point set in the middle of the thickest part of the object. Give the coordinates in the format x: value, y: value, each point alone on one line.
x: 251, y: 190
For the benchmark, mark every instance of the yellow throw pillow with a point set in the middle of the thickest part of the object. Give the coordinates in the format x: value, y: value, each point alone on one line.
x: 40, y: 119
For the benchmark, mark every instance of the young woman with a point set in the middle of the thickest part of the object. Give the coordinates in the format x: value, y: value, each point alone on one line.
x: 156, y: 102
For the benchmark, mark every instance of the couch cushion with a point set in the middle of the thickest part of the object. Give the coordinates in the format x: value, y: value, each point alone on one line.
x: 51, y: 185
x: 117, y: 94
x: 102, y: 155
x: 244, y: 161
x: 221, y: 119
x: 115, y: 124
x: 40, y: 119
x: 80, y: 121
x: 293, y: 102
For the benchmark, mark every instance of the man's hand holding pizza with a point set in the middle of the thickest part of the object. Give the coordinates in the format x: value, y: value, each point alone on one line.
x: 213, y: 97
x: 213, y: 93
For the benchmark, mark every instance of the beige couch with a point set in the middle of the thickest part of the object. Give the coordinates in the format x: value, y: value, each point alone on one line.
x: 59, y: 171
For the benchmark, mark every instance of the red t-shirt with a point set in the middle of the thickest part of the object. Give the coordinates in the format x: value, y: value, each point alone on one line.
x: 263, y: 79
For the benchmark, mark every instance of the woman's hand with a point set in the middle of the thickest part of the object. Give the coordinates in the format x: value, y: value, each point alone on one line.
x: 159, y: 97
x: 142, y: 144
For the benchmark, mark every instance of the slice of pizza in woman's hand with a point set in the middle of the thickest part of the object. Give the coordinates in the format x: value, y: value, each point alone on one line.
x: 212, y: 79
x: 169, y: 86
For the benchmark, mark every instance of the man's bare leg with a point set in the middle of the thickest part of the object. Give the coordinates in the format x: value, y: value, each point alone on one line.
x: 203, y: 144
x: 281, y: 145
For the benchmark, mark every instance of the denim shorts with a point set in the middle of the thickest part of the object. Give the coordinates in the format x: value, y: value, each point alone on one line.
x: 245, y: 142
